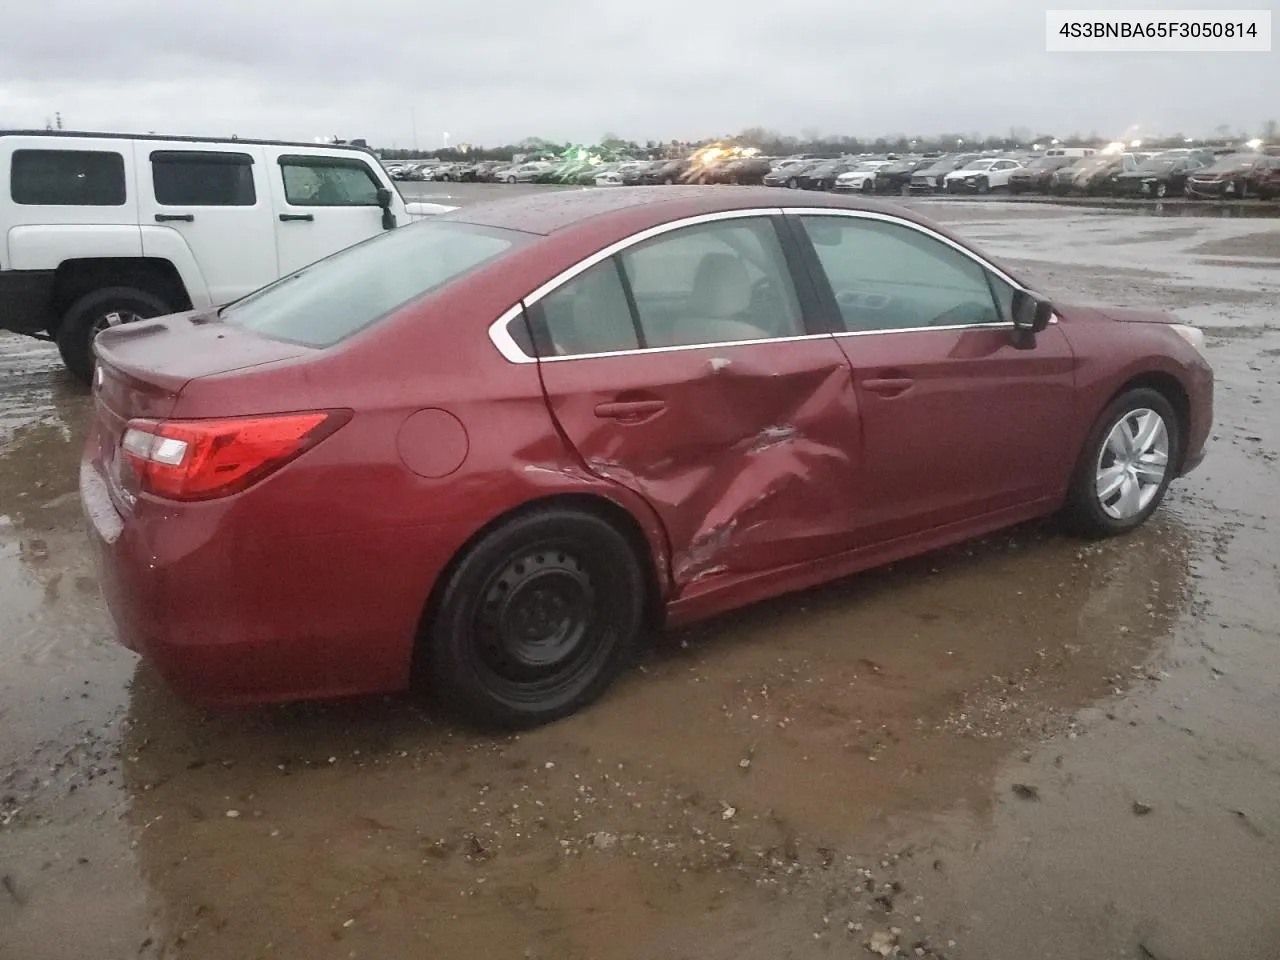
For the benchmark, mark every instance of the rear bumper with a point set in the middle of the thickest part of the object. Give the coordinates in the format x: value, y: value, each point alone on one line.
x: 25, y: 300
x: 229, y: 613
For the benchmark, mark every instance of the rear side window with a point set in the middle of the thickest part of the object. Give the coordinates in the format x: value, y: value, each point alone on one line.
x: 587, y: 315
x: 343, y: 294
x: 201, y: 179
x: 67, y: 178
x: 328, y: 182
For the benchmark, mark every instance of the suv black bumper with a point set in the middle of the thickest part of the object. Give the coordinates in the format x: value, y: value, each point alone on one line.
x: 25, y: 298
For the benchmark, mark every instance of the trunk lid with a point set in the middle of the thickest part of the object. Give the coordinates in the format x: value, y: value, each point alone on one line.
x: 143, y: 367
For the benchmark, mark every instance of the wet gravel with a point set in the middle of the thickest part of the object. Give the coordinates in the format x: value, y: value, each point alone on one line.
x: 1025, y: 746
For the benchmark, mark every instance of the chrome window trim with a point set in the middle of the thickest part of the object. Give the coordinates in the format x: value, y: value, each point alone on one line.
x: 507, y: 346
x: 510, y: 350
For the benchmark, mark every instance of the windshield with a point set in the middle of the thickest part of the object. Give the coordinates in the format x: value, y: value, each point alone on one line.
x: 1161, y: 162
x: 341, y: 295
x: 1235, y: 161
x: 978, y: 165
x: 867, y: 167
x: 1048, y: 163
x: 949, y: 164
x: 1094, y: 163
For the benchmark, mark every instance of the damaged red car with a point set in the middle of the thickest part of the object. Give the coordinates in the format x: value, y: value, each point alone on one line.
x: 491, y: 450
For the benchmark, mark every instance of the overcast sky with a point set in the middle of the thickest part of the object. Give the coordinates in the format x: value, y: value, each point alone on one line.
x: 493, y: 71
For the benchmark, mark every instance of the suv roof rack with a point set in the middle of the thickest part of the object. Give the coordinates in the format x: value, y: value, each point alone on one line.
x: 183, y: 138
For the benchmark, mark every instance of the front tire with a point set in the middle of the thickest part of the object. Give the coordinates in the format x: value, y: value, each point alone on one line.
x: 536, y: 620
x: 93, y: 313
x: 1128, y: 462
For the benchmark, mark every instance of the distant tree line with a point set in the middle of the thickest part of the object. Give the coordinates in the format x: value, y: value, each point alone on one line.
x: 774, y: 143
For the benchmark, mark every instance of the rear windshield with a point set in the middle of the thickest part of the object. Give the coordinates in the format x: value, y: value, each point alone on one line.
x: 329, y: 301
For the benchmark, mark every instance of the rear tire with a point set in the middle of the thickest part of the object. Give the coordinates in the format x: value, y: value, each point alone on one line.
x: 1095, y: 510
x: 93, y: 312
x: 536, y: 620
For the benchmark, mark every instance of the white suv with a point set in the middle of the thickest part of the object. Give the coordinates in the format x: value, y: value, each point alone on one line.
x: 100, y: 229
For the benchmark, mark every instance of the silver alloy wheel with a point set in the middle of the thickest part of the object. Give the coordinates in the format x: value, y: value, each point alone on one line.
x: 1132, y: 464
x: 112, y: 318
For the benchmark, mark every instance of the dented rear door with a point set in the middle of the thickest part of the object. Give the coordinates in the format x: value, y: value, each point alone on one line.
x: 744, y: 447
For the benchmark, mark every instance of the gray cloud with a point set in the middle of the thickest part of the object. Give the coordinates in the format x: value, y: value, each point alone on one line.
x: 492, y: 71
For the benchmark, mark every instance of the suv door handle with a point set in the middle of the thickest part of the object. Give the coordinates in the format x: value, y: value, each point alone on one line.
x: 166, y: 217
x: 286, y: 217
x: 630, y: 409
x: 889, y: 386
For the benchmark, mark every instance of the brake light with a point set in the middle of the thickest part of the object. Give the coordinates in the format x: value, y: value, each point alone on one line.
x: 206, y: 459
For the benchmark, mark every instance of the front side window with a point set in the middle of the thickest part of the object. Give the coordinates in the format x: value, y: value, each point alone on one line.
x: 713, y: 283
x: 888, y: 276
x: 201, y: 179
x: 73, y: 178
x: 326, y: 182
x: 334, y: 298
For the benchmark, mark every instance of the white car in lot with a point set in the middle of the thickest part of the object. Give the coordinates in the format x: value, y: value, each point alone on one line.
x: 528, y: 172
x: 981, y: 176
x: 862, y: 177
x: 609, y: 175
x: 101, y: 229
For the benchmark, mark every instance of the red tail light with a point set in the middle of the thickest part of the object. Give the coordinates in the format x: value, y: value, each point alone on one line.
x: 206, y: 459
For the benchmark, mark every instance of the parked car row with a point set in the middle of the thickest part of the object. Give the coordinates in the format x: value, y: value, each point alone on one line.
x: 1195, y: 172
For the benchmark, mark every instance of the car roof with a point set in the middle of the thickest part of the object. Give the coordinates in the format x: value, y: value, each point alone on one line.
x: 96, y: 135
x: 549, y: 211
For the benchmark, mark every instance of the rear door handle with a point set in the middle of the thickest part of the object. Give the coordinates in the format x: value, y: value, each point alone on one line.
x: 166, y: 217
x: 889, y: 386
x: 286, y: 217
x: 630, y: 409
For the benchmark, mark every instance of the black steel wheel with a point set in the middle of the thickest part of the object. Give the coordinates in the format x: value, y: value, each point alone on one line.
x: 536, y: 619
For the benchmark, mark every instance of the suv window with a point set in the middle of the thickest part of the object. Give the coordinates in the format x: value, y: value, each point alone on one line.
x: 353, y: 289
x: 328, y: 182
x: 202, y: 179
x: 713, y: 283
x: 79, y: 178
x: 887, y: 276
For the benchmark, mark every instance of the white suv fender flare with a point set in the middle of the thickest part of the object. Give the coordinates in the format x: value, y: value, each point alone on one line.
x: 164, y: 244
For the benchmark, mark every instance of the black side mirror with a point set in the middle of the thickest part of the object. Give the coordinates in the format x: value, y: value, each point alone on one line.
x: 384, y: 201
x: 1031, y: 314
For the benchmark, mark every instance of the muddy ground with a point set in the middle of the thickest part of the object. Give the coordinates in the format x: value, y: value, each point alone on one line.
x: 1026, y: 747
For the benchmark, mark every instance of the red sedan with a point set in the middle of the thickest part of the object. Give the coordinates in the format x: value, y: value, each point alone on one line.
x: 493, y: 448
